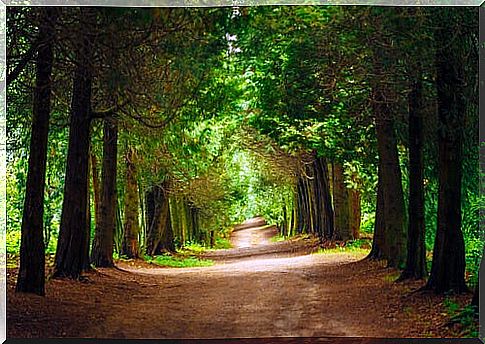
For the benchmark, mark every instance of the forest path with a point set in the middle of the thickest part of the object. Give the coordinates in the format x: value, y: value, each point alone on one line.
x: 256, y: 289
x: 259, y: 288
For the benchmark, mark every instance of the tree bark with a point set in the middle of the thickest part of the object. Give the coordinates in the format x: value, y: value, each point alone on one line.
x: 416, y: 250
x: 160, y: 233
x: 393, y: 247
x: 341, y: 204
x: 96, y: 188
x: 86, y: 266
x: 102, y: 252
x: 167, y: 242
x: 31, y: 276
x: 130, y: 247
x: 379, y: 238
x: 355, y: 212
x: 448, y: 267
x: 324, y: 215
x: 392, y: 192
x: 72, y: 234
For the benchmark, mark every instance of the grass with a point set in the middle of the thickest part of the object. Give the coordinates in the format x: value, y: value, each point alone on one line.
x: 392, y: 277
x: 356, y: 247
x: 173, y: 261
x: 192, y: 249
x: 222, y: 244
x: 278, y: 238
x: 465, y: 317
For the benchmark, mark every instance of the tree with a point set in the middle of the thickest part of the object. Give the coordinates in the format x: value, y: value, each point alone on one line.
x: 130, y: 246
x: 159, y: 227
x: 102, y: 251
x: 31, y: 277
x: 448, y: 266
x: 390, y: 200
x: 416, y: 250
x: 73, y: 230
x: 341, y: 201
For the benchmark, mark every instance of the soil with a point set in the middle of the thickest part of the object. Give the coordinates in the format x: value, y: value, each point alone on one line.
x: 259, y: 288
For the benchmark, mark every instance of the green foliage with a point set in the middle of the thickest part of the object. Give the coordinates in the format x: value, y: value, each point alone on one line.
x: 367, y: 223
x: 466, y: 317
x: 226, y: 122
x: 13, y: 241
x: 172, y: 261
x: 359, y: 247
x: 278, y: 238
x: 222, y: 244
x: 192, y: 248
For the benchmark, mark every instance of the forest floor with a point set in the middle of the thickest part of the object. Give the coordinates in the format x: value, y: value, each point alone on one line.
x: 259, y: 288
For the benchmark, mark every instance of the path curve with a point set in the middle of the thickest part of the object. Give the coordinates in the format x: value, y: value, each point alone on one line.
x: 264, y: 289
x: 257, y: 289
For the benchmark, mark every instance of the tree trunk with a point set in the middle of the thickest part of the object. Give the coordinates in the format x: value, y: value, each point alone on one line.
x: 341, y: 204
x: 86, y: 266
x: 390, y: 178
x: 212, y: 239
x: 102, y: 252
x: 31, y: 276
x: 448, y: 267
x: 167, y: 242
x: 299, y: 206
x: 96, y: 189
x: 329, y: 226
x: 72, y: 233
x: 355, y: 212
x: 416, y: 250
x: 392, y: 192
x: 131, y: 227
x: 160, y: 233
x: 379, y: 238
x: 154, y: 209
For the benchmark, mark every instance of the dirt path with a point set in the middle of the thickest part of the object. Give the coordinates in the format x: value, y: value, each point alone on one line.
x: 257, y: 289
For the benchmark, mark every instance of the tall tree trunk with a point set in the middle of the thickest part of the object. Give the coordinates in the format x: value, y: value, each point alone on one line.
x: 154, y: 200
x: 159, y: 234
x: 379, y: 239
x: 300, y: 225
x: 31, y: 276
x: 96, y: 188
x: 130, y: 245
x: 102, y: 252
x: 86, y: 266
x: 329, y: 226
x: 448, y: 267
x: 391, y: 199
x: 167, y: 242
x: 72, y: 233
x: 284, y: 225
x: 392, y: 192
x: 355, y: 212
x: 341, y: 204
x: 416, y: 250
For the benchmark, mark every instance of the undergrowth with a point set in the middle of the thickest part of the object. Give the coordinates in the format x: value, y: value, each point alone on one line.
x: 358, y: 246
x: 464, y: 321
x: 175, y: 261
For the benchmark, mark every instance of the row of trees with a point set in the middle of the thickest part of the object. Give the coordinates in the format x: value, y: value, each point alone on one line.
x: 314, y: 117
x: 322, y: 77
x: 129, y: 70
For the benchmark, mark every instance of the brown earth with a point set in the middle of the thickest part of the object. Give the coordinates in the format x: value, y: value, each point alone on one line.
x: 257, y: 289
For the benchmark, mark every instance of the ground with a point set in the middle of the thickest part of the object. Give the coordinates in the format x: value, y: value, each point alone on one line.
x: 259, y: 288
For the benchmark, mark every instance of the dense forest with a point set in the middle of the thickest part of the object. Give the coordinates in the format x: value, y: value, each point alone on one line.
x: 135, y: 132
